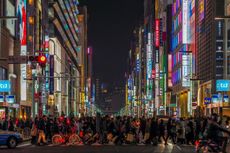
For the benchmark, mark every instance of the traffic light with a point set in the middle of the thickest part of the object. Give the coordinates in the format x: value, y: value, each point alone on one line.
x: 42, y: 60
x: 33, y: 59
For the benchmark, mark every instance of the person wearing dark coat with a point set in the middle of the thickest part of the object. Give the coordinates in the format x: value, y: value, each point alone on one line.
x: 161, y: 128
x: 11, y: 125
x: 154, y: 131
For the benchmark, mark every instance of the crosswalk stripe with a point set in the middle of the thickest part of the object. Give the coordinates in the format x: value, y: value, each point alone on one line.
x: 178, y: 147
x: 24, y: 145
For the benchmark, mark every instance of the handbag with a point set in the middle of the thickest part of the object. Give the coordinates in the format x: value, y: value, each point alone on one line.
x: 34, y: 131
x: 147, y: 135
x: 130, y: 137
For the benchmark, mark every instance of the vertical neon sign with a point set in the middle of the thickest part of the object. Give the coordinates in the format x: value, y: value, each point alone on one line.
x: 21, y: 13
x: 157, y: 32
x: 185, y: 26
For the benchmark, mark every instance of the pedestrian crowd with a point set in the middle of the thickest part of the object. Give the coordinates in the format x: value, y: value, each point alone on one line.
x: 122, y: 129
x: 15, y: 124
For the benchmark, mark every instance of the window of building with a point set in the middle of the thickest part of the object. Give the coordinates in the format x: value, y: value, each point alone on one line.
x: 228, y: 65
x: 3, y: 73
x: 228, y: 34
x: 228, y: 9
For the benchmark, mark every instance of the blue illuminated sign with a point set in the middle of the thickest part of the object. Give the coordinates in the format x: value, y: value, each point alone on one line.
x: 226, y: 99
x: 5, y: 86
x: 222, y: 85
x: 1, y: 98
x: 10, y: 99
x: 207, y: 100
x: 215, y: 98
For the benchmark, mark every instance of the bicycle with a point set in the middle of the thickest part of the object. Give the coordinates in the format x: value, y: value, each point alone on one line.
x: 72, y: 139
x: 205, y: 146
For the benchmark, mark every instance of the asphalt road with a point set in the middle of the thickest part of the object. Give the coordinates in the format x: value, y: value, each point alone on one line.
x: 27, y: 148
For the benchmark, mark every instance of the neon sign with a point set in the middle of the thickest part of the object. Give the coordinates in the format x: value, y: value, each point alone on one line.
x: 21, y: 13
x: 157, y: 32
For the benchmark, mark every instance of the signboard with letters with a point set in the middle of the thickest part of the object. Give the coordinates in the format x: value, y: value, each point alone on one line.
x: 10, y: 99
x: 222, y: 85
x: 5, y: 86
x: 1, y: 98
x: 207, y: 100
x: 186, y: 69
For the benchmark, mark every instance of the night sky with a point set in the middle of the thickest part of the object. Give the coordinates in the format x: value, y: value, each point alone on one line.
x: 110, y: 26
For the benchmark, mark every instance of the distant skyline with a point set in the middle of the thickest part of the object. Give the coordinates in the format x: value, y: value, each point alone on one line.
x: 110, y: 27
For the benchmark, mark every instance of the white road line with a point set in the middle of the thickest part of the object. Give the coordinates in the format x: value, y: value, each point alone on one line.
x: 24, y: 145
x: 178, y: 147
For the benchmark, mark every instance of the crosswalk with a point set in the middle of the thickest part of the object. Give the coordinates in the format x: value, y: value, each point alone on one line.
x: 26, y: 145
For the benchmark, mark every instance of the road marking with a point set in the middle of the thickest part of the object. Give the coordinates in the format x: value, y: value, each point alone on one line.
x: 178, y: 147
x: 24, y: 145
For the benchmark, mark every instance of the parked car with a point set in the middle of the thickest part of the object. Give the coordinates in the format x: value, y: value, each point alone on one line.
x: 10, y: 138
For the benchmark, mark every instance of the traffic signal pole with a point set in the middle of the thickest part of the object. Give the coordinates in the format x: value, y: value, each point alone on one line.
x: 33, y: 102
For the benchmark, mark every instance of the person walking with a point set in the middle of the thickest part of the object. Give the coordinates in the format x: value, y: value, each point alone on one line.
x: 171, y: 131
x: 161, y: 131
x: 189, y: 132
x: 41, y: 130
x: 11, y: 125
x: 34, y: 132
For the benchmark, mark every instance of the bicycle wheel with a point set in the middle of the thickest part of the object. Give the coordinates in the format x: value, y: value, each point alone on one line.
x: 57, y: 139
x: 74, y: 138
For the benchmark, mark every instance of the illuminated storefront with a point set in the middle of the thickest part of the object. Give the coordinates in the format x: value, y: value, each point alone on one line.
x: 182, y: 58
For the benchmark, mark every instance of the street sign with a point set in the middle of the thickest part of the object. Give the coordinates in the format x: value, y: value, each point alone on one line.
x: 5, y: 86
x: 10, y: 99
x: 15, y: 105
x: 17, y: 59
x: 222, y: 85
x: 1, y: 98
x: 226, y: 99
x: 194, y: 104
x: 207, y: 100
x: 172, y: 105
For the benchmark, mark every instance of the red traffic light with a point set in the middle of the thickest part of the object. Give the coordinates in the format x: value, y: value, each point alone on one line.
x: 42, y: 59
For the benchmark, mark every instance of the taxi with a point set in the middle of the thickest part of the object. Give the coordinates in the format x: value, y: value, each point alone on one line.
x: 10, y: 138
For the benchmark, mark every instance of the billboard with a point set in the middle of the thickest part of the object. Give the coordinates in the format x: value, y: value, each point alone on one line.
x: 186, y: 69
x: 149, y: 56
x: 51, y: 81
x: 157, y: 32
x: 185, y: 22
x: 222, y: 85
x: 219, y: 48
x: 5, y: 86
x: 149, y: 62
x: 21, y: 13
x: 201, y: 9
x: 138, y: 63
x: 10, y: 99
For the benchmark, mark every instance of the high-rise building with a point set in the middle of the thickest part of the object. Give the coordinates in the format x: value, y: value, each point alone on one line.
x: 9, y: 45
x: 83, y: 17
x: 212, y: 55
x: 64, y: 17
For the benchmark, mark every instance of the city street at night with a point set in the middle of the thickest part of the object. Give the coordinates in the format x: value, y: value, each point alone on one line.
x: 114, y: 76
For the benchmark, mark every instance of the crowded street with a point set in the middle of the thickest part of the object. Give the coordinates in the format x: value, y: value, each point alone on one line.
x: 115, y: 76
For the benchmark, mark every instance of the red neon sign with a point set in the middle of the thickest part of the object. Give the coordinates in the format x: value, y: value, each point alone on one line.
x: 157, y: 32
